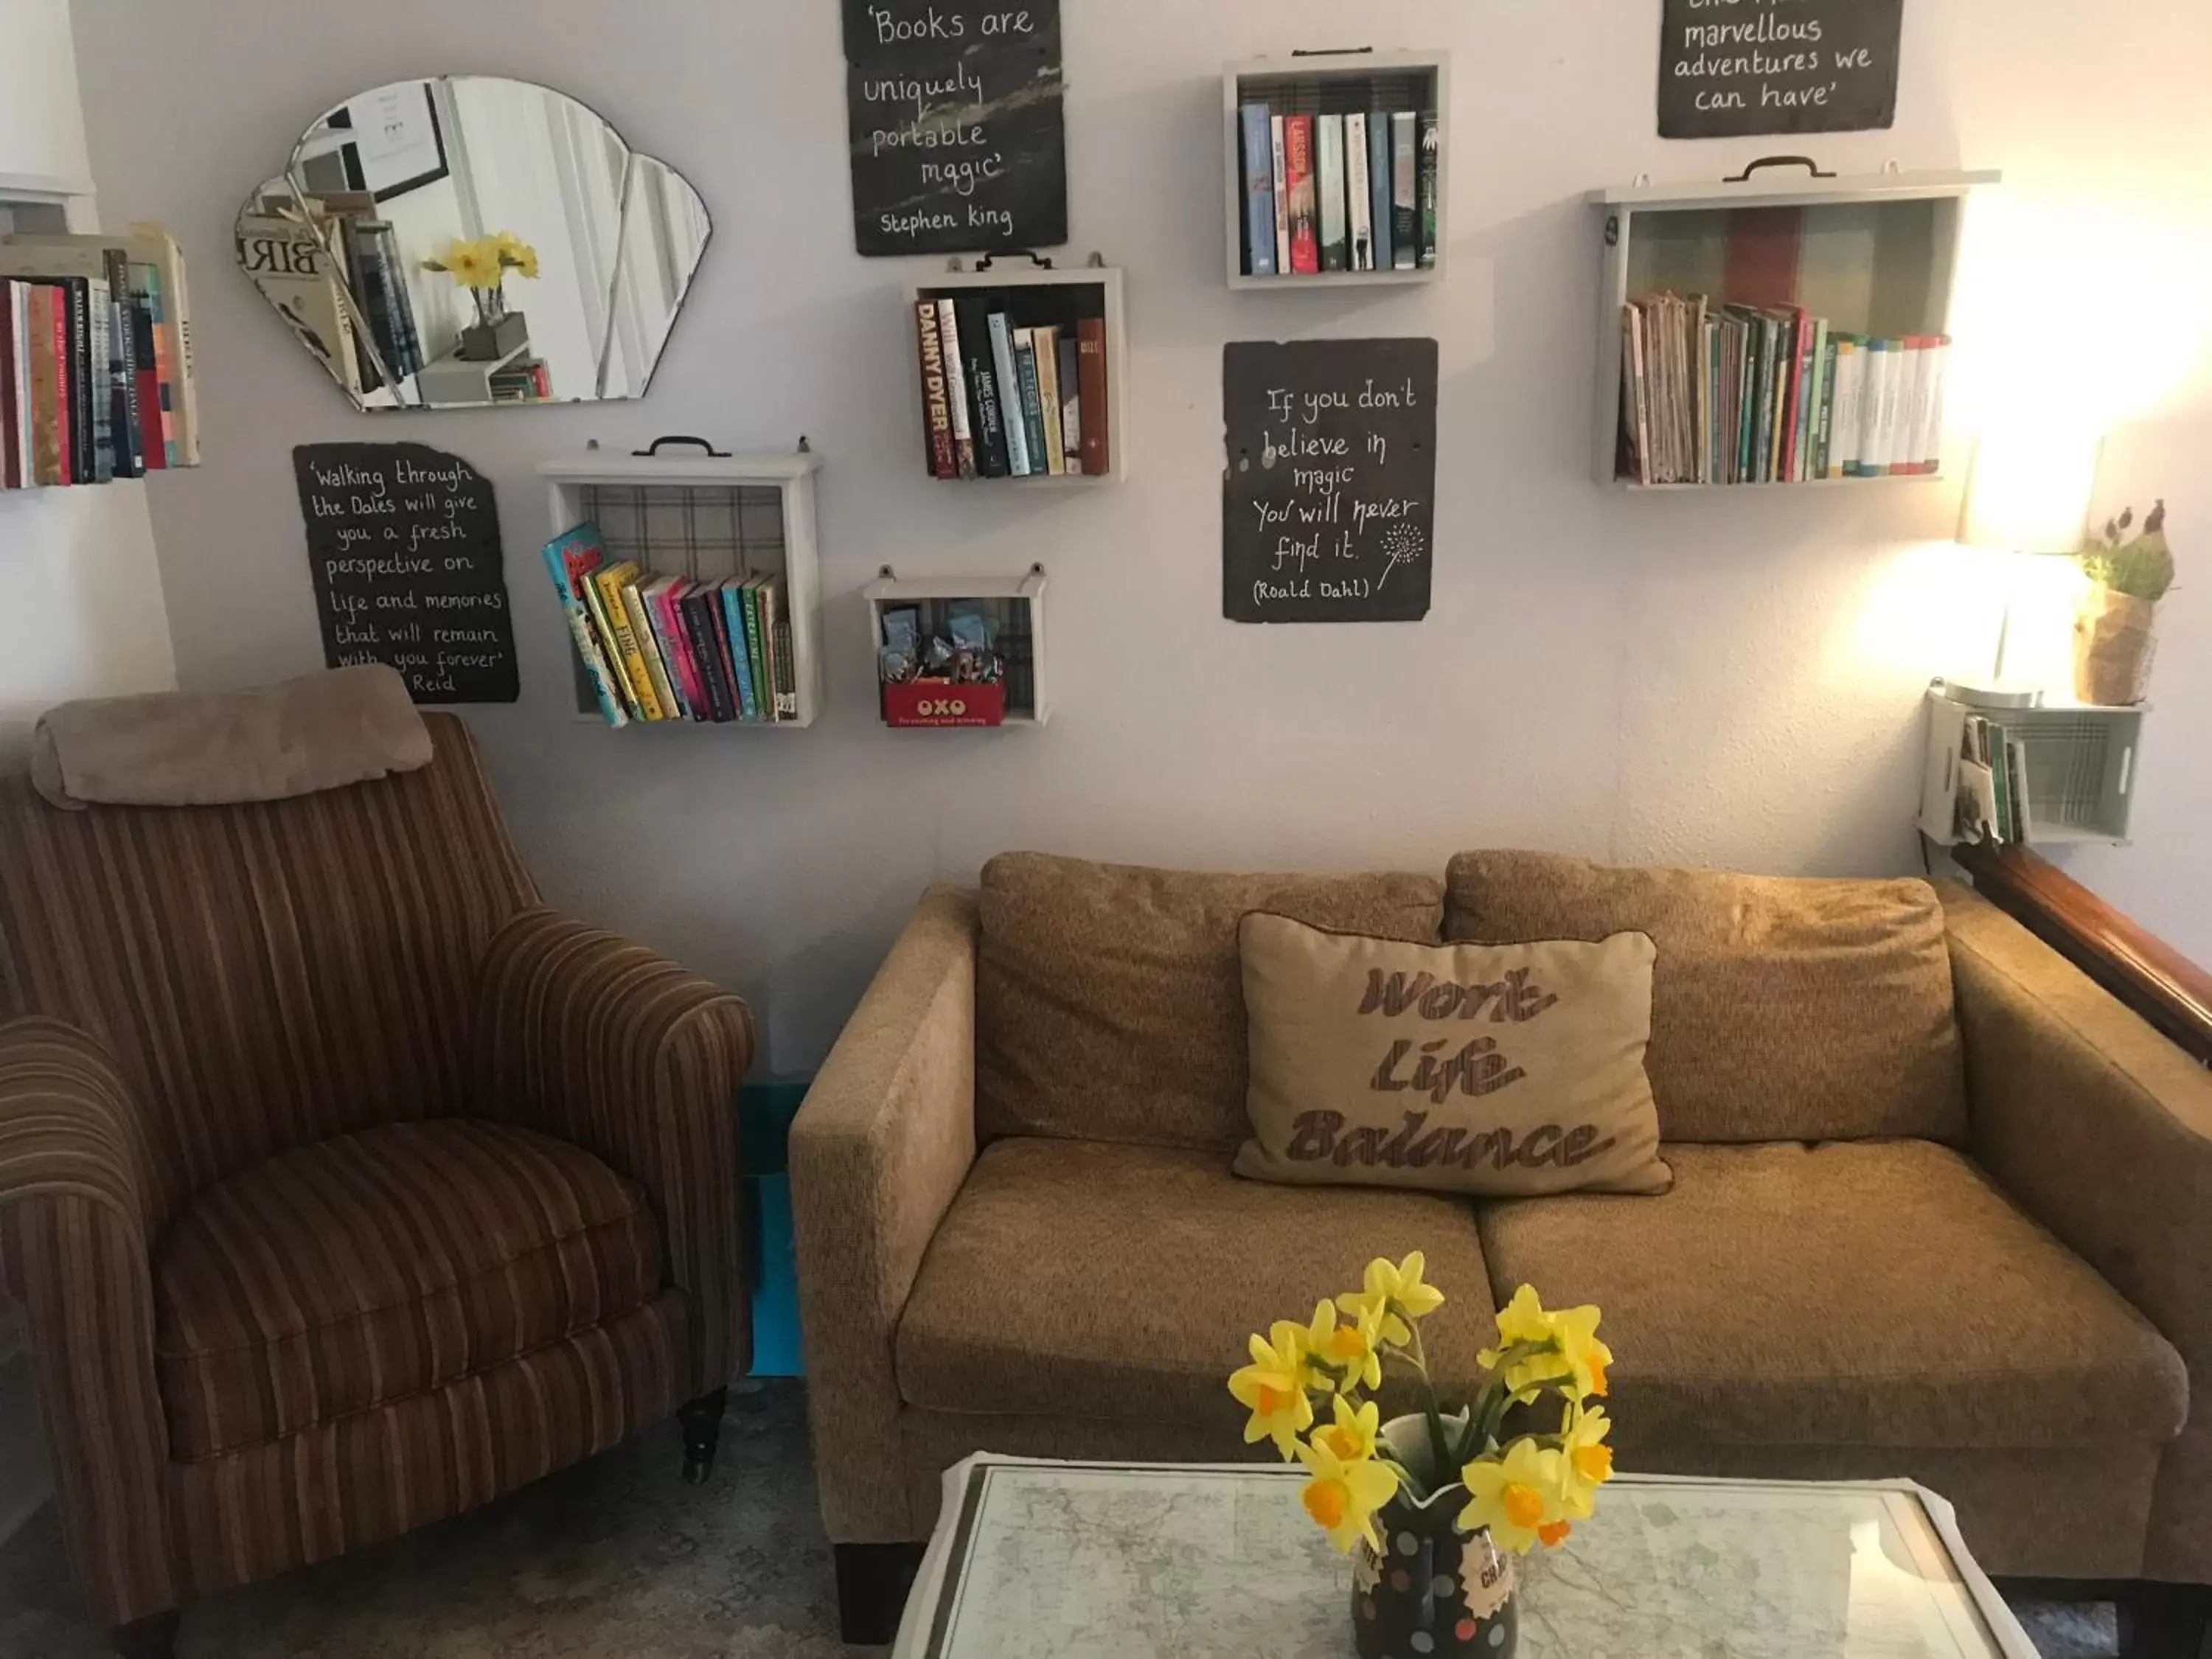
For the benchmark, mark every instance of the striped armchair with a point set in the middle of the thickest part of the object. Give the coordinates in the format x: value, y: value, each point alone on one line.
x: 345, y: 1186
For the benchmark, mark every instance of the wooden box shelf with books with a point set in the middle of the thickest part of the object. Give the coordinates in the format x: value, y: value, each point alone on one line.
x: 95, y: 343
x: 1783, y: 327
x: 1014, y: 358
x: 1336, y: 168
x: 690, y: 585
x: 960, y: 651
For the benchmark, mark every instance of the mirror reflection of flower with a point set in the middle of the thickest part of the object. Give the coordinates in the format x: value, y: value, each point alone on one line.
x: 481, y: 267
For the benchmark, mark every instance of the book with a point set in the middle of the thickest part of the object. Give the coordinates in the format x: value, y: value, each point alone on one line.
x: 1025, y: 365
x: 15, y: 386
x: 2015, y: 776
x: 1276, y: 136
x: 784, y: 674
x: 1071, y: 401
x: 583, y: 543
x: 1842, y: 430
x: 1092, y: 377
x: 1429, y: 187
x: 1824, y: 399
x: 123, y: 368
x: 648, y: 645
x: 956, y: 388
x: 756, y: 647
x: 1359, y: 193
x: 937, y: 407
x: 1010, y: 397
x: 1873, y: 456
x: 985, y: 415
x: 1045, y: 341
x: 1405, y: 190
x: 1379, y: 185
x: 1305, y: 223
x: 149, y: 243
x: 731, y: 592
x: 718, y: 626
x: 630, y: 650
x: 700, y: 608
x: 1637, y: 400
x: 50, y: 401
x: 1928, y: 447
x: 1258, y: 130
x: 658, y: 594
x: 1333, y: 224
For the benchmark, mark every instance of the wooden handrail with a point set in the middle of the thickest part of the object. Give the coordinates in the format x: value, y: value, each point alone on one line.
x: 2136, y: 966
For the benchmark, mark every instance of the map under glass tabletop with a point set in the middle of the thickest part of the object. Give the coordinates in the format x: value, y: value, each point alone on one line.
x: 1045, y: 1560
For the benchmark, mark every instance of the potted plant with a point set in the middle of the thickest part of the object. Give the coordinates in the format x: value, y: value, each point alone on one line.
x: 481, y: 267
x: 1439, y: 1502
x: 2112, y: 632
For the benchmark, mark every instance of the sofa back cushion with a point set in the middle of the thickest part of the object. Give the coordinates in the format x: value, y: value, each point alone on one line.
x: 1781, y: 1008
x: 1108, y: 1001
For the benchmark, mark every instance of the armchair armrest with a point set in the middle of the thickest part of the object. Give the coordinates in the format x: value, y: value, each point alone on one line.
x: 877, y: 1153
x: 2101, y: 1129
x: 582, y: 1035
x: 80, y: 1202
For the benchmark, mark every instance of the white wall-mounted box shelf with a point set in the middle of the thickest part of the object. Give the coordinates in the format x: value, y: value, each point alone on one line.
x: 1032, y: 294
x: 44, y: 204
x: 2080, y: 770
x: 1334, y: 83
x: 1876, y: 254
x: 706, y: 516
x: 1015, y: 606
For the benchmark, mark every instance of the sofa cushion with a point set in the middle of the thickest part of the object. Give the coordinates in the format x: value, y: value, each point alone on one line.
x: 1108, y: 1003
x: 1857, y: 1294
x: 1781, y: 1008
x: 1505, y: 1070
x: 347, y: 1274
x: 1077, y: 1278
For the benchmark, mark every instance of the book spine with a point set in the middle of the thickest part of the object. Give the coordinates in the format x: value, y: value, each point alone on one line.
x: 659, y: 643
x: 715, y: 611
x: 177, y: 303
x: 1071, y: 404
x: 685, y: 671
x: 1809, y: 332
x: 1874, y: 410
x: 56, y: 349
x: 1335, y: 226
x: 609, y: 582
x: 76, y: 366
x: 1009, y: 383
x: 741, y: 662
x: 1405, y: 190
x: 1305, y: 228
x: 756, y: 649
x: 582, y: 583
x: 937, y: 408
x: 1045, y: 342
x: 1379, y: 188
x: 985, y: 414
x: 1359, y: 193
x: 1025, y: 365
x: 1633, y: 325
x: 12, y: 331
x: 786, y: 668
x: 1430, y: 187
x: 123, y: 368
x: 699, y: 635
x: 97, y: 364
x: 580, y: 628
x: 1259, y: 190
x: 1930, y: 447
x: 1913, y: 439
x: 1824, y: 402
x: 1092, y: 377
x: 964, y: 435
x: 1277, y: 135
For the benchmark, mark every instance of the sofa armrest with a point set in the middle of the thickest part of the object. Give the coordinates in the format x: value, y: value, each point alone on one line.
x: 583, y: 1036
x: 879, y: 1151
x: 2101, y: 1129
x: 80, y: 1202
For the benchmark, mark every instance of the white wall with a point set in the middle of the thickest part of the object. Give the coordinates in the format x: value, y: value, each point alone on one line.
x: 1726, y: 679
x: 82, y: 615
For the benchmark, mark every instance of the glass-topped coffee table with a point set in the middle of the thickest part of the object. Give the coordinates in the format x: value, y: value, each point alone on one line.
x: 1042, y: 1560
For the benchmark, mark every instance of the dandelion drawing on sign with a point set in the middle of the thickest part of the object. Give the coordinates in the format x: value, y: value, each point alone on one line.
x: 1404, y: 544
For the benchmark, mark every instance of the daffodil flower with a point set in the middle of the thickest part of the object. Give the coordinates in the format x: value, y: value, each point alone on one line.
x: 1343, y: 1495
x: 1353, y: 1434
x: 1395, y: 1295
x: 1352, y: 1352
x: 1569, y: 1352
x: 1272, y: 1388
x: 1588, y: 1461
x: 1520, y: 1498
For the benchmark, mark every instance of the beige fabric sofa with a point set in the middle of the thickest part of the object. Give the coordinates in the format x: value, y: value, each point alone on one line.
x: 1017, y: 1230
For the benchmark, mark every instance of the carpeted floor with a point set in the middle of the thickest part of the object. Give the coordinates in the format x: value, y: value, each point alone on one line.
x: 614, y: 1559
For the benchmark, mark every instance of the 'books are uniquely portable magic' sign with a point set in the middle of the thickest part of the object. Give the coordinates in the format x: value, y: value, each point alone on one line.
x: 1328, y: 500
x: 958, y: 142
x: 403, y: 540
x: 1731, y: 69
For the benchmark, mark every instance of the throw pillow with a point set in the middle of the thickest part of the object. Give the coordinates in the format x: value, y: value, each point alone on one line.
x: 1508, y: 1071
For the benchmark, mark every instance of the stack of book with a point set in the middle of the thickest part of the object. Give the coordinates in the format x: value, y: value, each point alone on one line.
x: 95, y: 360
x: 1992, y: 798
x: 1733, y: 394
x: 1339, y: 193
x: 307, y: 267
x: 1005, y: 401
x: 524, y: 381
x: 659, y: 647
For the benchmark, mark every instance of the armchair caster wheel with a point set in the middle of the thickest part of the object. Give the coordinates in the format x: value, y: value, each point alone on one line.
x: 701, y: 1420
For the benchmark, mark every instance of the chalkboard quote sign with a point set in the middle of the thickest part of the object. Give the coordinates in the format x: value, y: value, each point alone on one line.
x: 1732, y: 69
x: 955, y: 113
x: 403, y: 540
x: 1328, y: 504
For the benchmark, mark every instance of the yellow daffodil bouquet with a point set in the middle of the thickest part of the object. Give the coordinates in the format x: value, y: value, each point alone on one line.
x: 1307, y: 1389
x: 481, y: 267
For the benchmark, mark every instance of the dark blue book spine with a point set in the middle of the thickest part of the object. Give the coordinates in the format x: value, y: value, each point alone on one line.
x: 1259, y: 190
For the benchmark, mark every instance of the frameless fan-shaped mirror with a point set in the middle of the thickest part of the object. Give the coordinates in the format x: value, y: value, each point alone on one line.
x: 469, y: 240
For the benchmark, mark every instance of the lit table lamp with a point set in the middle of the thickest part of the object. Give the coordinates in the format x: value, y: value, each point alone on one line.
x: 2028, y: 493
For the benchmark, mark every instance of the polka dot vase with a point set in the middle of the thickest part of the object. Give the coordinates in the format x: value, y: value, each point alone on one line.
x: 1432, y: 1591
